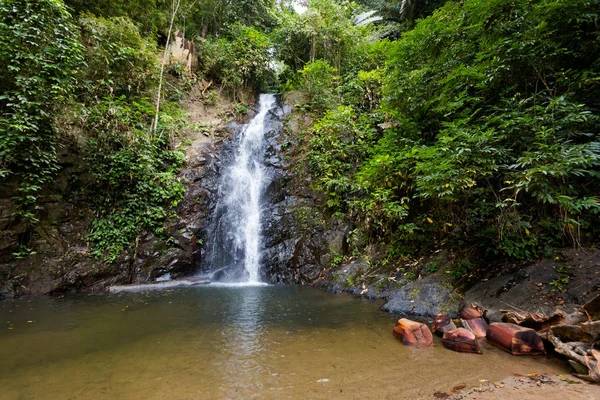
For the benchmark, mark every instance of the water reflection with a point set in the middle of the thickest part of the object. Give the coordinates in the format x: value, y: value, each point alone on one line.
x: 243, y: 353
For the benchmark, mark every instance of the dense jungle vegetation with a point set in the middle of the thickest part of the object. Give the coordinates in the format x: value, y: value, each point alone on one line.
x: 471, y: 125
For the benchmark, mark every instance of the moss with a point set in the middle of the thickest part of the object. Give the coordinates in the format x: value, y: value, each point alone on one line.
x: 415, y: 294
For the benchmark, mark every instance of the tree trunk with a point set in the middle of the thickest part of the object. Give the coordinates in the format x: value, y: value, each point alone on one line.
x: 174, y: 9
x: 582, y: 354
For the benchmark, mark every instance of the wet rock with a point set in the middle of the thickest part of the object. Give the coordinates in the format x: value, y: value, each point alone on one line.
x: 473, y: 320
x: 343, y: 278
x: 413, y: 333
x: 427, y: 297
x: 442, y: 324
x: 461, y: 340
x: 197, y: 161
x: 515, y: 339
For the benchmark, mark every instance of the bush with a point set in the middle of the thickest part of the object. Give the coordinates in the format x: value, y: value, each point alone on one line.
x: 134, y: 175
x: 320, y: 81
x: 120, y: 61
x: 239, y: 63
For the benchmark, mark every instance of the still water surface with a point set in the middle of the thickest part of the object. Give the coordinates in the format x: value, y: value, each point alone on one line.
x: 263, y: 342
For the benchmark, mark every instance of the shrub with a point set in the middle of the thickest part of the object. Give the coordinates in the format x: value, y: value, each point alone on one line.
x: 320, y: 80
x: 120, y: 61
x: 134, y: 175
x: 238, y: 63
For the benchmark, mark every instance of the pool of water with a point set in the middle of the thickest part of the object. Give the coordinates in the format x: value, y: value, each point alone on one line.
x: 263, y: 342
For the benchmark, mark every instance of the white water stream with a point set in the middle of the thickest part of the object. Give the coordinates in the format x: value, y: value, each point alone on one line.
x: 238, y: 236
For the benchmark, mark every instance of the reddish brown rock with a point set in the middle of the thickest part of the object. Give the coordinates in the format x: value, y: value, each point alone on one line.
x: 470, y: 313
x: 473, y: 320
x: 442, y: 324
x: 515, y: 339
x: 461, y: 340
x: 413, y: 333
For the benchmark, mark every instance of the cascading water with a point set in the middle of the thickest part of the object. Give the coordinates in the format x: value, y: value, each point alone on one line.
x: 236, y: 238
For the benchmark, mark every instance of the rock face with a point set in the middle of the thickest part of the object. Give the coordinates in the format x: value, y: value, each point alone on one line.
x: 290, y: 254
x: 427, y: 297
x: 297, y: 245
x: 533, y: 288
x: 299, y: 242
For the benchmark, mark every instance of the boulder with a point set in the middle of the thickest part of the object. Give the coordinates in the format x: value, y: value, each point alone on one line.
x: 426, y: 297
x: 461, y: 340
x: 413, y: 333
x: 515, y: 339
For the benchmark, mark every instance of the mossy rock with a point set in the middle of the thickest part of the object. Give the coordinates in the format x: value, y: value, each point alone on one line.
x: 426, y: 297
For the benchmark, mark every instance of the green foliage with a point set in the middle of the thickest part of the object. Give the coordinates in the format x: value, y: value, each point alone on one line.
x: 217, y: 17
x: 488, y: 137
x: 106, y: 77
x: 509, y: 158
x: 396, y: 16
x: 134, y: 175
x: 23, y: 252
x: 319, y: 80
x: 38, y: 59
x: 325, y: 31
x: 562, y: 279
x: 337, y: 143
x: 238, y: 63
x: 120, y: 61
x: 150, y: 15
x: 241, y: 109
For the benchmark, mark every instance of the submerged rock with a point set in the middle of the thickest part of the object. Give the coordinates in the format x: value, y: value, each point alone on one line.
x: 427, y: 297
x: 462, y: 341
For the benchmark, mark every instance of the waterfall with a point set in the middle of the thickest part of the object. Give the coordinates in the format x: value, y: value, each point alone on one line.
x: 236, y: 237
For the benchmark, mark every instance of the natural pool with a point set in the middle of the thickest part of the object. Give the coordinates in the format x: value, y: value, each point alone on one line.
x: 264, y: 342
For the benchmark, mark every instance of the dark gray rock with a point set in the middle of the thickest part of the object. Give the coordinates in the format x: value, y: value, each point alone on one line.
x: 426, y: 297
x: 550, y: 283
x: 345, y: 277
